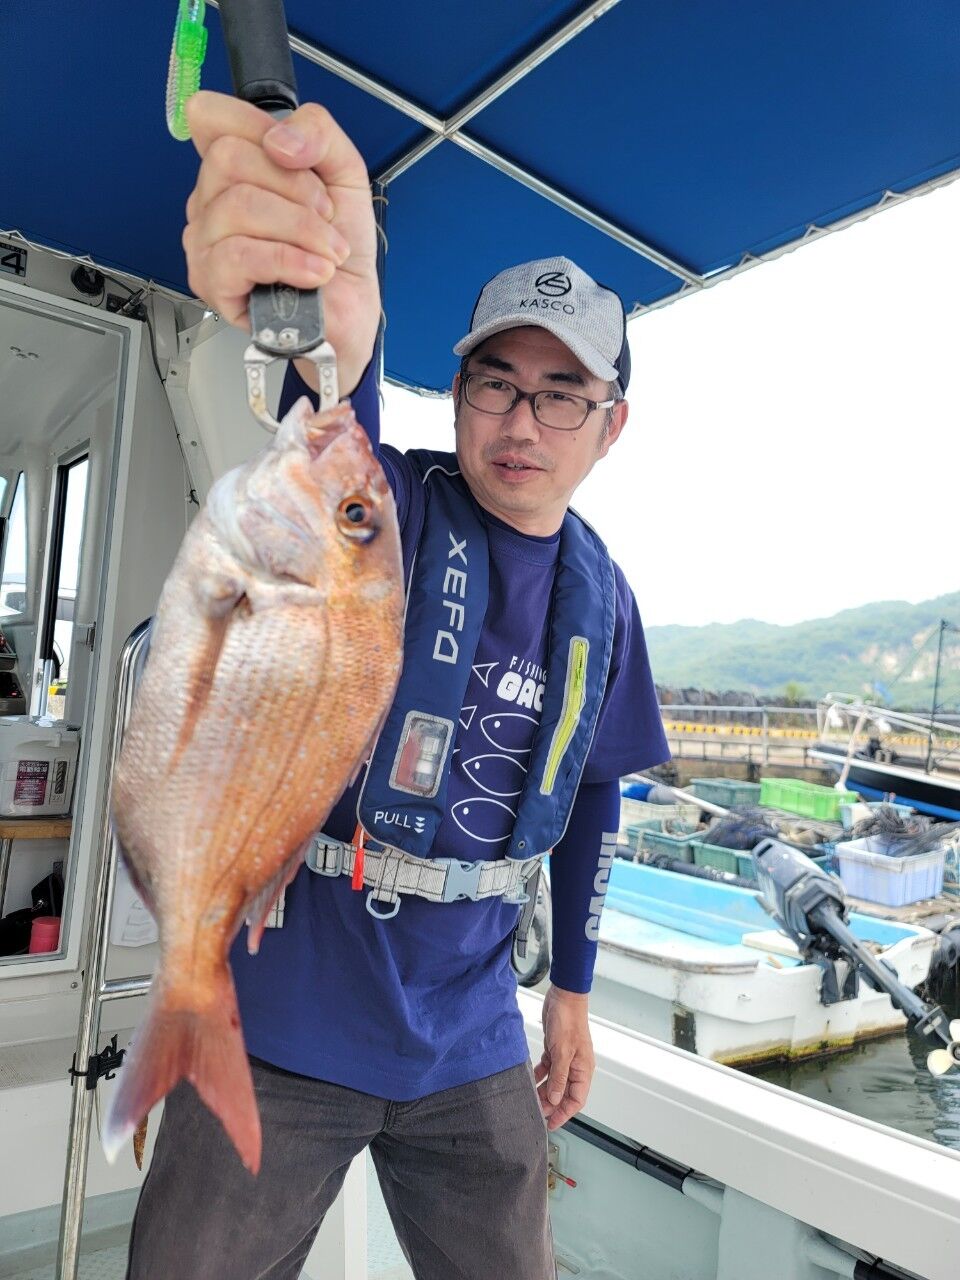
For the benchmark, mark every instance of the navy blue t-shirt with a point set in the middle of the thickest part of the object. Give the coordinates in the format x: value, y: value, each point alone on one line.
x: 427, y: 1000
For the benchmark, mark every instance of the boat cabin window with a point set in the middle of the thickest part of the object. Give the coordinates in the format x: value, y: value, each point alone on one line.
x: 61, y: 419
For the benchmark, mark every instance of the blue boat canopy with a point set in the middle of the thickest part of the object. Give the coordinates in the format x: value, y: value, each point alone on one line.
x: 662, y: 146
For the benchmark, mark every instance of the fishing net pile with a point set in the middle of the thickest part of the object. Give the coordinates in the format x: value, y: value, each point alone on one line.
x: 888, y: 821
x: 744, y: 828
x: 909, y: 834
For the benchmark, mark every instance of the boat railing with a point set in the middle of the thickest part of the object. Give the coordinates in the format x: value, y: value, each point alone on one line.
x: 97, y: 989
x: 846, y: 716
x: 732, y: 713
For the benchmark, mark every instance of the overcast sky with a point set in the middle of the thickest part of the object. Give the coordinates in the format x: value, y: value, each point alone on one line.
x: 792, y: 446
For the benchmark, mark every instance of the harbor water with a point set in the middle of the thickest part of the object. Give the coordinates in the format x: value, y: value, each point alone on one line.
x: 886, y: 1081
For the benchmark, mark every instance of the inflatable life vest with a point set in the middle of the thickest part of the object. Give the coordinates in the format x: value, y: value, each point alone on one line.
x: 403, y: 798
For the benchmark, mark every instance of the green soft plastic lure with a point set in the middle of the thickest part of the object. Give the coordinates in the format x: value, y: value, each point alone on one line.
x: 186, y: 59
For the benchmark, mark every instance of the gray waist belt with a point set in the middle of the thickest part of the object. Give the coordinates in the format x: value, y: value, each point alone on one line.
x: 389, y: 873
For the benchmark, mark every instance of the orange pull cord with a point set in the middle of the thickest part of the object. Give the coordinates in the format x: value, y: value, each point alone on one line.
x: 358, y: 838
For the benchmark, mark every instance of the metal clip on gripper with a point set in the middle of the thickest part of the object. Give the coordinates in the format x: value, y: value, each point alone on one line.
x: 286, y: 323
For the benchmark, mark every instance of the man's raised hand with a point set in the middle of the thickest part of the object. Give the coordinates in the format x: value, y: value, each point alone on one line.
x: 283, y: 201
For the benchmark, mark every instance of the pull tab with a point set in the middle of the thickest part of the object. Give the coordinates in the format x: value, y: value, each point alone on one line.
x: 359, y: 836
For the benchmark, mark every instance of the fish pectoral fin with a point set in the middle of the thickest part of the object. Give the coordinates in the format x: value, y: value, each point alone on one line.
x: 279, y: 593
x: 139, y: 883
x: 219, y: 592
x: 265, y: 900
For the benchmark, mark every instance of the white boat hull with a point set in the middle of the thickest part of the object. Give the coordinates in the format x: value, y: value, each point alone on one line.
x: 745, y: 1015
x: 701, y: 965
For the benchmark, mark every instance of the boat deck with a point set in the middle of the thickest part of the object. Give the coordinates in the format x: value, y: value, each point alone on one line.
x: 635, y: 934
x: 102, y: 1264
x: 917, y: 913
x: 385, y: 1260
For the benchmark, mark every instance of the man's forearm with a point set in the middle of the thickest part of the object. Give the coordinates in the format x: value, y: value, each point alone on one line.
x: 579, y: 869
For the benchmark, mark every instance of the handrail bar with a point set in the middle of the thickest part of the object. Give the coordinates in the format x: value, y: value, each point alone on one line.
x: 871, y: 712
x: 121, y: 988
x: 734, y: 707
x: 96, y: 988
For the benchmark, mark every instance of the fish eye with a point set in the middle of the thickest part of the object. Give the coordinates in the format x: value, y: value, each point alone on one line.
x: 355, y: 518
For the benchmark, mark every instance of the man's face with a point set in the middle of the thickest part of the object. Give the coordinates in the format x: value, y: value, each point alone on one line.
x: 517, y: 469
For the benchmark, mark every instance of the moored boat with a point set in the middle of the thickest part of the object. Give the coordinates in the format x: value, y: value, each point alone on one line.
x: 864, y: 746
x: 701, y: 965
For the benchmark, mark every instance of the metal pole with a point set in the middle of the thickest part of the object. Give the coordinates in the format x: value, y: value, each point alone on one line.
x: 6, y: 848
x: 936, y: 694
x: 493, y: 91
x: 381, y: 202
x: 687, y: 797
x: 841, y: 782
x: 75, y: 1173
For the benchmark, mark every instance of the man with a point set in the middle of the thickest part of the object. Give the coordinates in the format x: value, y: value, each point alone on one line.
x: 388, y: 1017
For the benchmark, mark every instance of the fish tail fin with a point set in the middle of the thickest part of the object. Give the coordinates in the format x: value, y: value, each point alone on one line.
x: 202, y: 1046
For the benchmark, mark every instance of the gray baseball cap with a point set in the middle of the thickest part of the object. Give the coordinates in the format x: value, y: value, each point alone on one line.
x: 554, y: 294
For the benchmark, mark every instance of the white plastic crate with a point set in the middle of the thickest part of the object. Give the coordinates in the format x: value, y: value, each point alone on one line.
x: 867, y: 872
x: 851, y: 814
x: 633, y: 812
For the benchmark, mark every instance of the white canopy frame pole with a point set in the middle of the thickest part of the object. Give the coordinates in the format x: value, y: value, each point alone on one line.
x: 888, y: 200
x: 517, y: 72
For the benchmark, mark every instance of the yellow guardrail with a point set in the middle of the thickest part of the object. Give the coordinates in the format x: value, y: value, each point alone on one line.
x: 735, y: 730
x: 755, y: 731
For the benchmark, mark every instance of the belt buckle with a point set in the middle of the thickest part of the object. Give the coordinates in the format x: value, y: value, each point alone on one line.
x: 462, y: 881
x: 518, y: 896
x: 315, y: 860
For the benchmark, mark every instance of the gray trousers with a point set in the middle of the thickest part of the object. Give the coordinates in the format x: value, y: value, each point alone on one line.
x: 463, y: 1174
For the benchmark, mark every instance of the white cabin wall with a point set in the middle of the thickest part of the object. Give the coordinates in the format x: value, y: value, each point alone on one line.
x: 208, y: 391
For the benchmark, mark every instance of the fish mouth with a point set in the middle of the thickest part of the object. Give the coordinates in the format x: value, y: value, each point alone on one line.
x: 304, y: 428
x: 327, y: 427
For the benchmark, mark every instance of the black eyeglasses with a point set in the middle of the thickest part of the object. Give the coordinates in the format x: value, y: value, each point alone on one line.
x: 556, y: 409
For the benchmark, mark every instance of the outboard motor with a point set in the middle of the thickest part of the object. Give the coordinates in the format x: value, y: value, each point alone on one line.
x: 811, y: 907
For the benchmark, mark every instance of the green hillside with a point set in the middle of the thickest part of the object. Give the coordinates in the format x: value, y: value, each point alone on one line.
x: 890, y: 644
